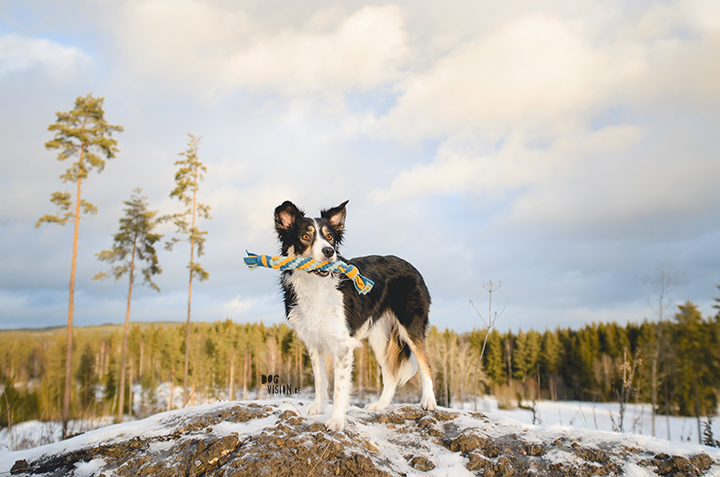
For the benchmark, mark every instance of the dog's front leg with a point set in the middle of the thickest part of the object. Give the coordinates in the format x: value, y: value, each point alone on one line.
x: 342, y: 361
x: 317, y: 357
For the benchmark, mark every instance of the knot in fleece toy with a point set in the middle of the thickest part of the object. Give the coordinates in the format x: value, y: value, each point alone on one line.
x: 362, y: 284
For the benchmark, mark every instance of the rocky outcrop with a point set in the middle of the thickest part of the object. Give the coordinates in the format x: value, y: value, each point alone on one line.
x: 275, y: 439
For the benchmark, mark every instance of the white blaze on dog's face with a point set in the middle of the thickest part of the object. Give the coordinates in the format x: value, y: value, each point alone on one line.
x: 323, y: 247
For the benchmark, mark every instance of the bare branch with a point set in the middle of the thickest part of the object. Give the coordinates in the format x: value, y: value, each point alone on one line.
x: 489, y: 324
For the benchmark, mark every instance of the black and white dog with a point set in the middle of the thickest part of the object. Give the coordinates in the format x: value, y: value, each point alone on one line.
x: 330, y: 316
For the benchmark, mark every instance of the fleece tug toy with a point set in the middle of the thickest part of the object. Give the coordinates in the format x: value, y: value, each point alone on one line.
x: 362, y: 284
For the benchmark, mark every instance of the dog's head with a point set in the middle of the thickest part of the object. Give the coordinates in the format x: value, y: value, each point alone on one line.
x: 301, y: 236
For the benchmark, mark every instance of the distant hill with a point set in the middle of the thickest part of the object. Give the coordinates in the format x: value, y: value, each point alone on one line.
x: 105, y: 328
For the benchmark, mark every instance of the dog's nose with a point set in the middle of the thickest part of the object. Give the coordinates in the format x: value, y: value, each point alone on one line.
x: 328, y: 251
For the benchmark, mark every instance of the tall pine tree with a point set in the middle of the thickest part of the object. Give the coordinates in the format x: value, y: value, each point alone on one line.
x: 187, y: 179
x: 133, y: 245
x: 82, y: 134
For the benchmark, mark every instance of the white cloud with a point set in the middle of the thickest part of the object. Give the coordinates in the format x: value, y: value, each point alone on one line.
x: 18, y: 53
x: 364, y: 51
x: 652, y: 187
x: 462, y: 165
x: 541, y: 70
x: 516, y: 111
x: 200, y: 45
x: 530, y: 71
x: 676, y: 43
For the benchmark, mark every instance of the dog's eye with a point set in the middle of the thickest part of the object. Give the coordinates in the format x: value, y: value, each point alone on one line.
x: 306, y: 237
x: 329, y: 237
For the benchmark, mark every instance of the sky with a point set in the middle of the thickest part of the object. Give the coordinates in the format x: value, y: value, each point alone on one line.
x: 566, y: 149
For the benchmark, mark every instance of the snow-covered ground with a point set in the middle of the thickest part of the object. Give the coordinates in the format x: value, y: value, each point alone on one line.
x: 583, y: 416
x: 575, y: 421
x: 600, y: 416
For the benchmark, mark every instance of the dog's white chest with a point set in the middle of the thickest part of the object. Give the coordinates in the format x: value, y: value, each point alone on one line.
x: 319, y: 315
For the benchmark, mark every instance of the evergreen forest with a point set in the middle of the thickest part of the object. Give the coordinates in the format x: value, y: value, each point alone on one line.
x: 675, y: 364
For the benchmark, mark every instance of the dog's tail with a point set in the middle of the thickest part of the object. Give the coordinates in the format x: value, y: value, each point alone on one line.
x: 400, y: 360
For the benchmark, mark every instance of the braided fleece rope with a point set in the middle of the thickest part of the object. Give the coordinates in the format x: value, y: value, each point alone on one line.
x: 362, y: 284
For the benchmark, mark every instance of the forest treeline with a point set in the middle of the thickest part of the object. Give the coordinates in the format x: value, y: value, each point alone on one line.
x: 677, y: 361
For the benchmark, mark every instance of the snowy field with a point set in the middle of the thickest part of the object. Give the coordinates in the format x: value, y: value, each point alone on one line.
x: 600, y: 416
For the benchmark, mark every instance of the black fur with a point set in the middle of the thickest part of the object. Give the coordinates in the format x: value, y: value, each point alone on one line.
x: 399, y: 288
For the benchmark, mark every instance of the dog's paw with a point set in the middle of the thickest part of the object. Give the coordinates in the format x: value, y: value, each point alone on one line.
x: 429, y: 404
x: 376, y: 406
x: 335, y: 423
x: 316, y: 408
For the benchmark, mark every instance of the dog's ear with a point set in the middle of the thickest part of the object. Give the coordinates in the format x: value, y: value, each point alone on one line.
x: 286, y: 216
x: 336, y: 216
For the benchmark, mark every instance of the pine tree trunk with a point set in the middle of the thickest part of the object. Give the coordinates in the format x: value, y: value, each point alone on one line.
x: 187, y: 331
x: 123, y: 361
x: 71, y: 302
x: 130, y: 391
x: 232, y: 377
x: 245, y: 373
x: 187, y: 338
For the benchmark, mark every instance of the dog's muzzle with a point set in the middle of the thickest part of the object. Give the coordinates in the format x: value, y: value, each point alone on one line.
x: 328, y: 252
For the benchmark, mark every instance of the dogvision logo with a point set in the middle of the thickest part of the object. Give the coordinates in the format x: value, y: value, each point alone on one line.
x: 274, y: 386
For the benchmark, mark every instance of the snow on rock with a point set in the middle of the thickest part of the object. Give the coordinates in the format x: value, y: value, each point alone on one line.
x: 276, y: 437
